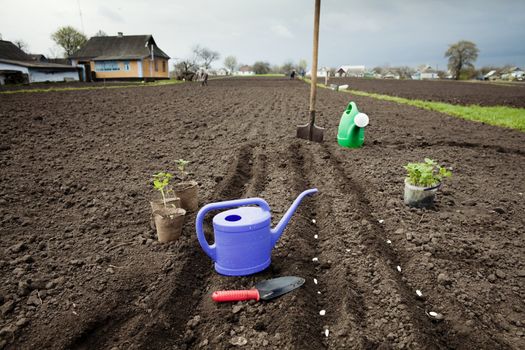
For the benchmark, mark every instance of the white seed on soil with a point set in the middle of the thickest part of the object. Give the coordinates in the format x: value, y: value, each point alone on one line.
x: 315, y: 280
x: 316, y: 236
x: 348, y: 250
x: 322, y: 312
x: 381, y: 221
x: 418, y: 292
x: 388, y: 241
x: 313, y: 220
x: 326, y: 332
x: 315, y: 259
x: 398, y: 268
x: 318, y: 292
x: 435, y: 315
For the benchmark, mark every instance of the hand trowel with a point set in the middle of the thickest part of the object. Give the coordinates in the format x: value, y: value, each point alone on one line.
x: 264, y: 290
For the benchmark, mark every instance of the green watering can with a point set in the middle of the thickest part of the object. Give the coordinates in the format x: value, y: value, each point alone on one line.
x: 351, y: 132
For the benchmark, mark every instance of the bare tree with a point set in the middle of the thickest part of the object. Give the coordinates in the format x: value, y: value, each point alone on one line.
x: 101, y: 33
x: 205, y: 56
x: 461, y: 55
x: 185, y: 69
x: 230, y: 63
x: 22, y: 45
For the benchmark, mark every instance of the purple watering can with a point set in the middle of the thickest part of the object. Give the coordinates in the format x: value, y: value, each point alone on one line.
x: 243, y: 237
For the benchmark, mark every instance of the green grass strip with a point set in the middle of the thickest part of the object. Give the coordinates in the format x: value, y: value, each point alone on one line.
x: 508, y: 117
x: 80, y: 88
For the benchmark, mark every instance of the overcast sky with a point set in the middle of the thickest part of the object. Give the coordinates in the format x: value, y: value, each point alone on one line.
x: 367, y: 32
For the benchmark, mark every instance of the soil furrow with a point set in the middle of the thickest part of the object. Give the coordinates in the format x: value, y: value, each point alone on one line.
x: 432, y: 334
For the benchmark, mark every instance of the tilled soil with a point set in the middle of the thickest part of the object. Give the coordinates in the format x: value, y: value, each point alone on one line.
x: 449, y: 91
x: 71, y: 84
x: 81, y: 268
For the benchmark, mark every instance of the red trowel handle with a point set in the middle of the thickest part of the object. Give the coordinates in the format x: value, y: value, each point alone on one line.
x: 235, y: 295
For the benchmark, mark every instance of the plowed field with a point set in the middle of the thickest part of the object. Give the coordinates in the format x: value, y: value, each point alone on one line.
x: 81, y: 267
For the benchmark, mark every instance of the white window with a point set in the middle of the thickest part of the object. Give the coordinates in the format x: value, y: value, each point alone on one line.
x: 106, y: 66
x: 126, y: 66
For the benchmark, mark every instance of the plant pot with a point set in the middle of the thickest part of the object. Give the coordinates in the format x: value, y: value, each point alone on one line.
x: 169, y: 222
x: 173, y: 202
x: 188, y: 192
x: 420, y: 197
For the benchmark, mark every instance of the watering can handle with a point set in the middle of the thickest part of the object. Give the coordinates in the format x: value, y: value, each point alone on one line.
x: 210, y: 249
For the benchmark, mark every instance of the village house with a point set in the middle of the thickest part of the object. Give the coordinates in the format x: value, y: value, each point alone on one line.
x: 18, y: 67
x: 425, y: 72
x: 121, y: 57
x: 351, y: 71
x: 321, y: 73
x: 513, y: 73
x: 245, y: 70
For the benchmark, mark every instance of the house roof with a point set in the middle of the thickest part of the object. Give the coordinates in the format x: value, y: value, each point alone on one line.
x: 11, y: 54
x: 245, y: 68
x: 351, y: 68
x: 37, y: 57
x: 119, y: 47
x: 39, y: 65
x: 10, y: 51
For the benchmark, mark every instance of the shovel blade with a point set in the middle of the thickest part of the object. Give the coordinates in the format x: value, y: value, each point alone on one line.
x: 310, y: 132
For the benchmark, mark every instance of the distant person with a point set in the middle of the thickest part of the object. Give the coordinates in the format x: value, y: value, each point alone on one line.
x: 302, y: 73
x: 205, y: 78
x: 292, y: 74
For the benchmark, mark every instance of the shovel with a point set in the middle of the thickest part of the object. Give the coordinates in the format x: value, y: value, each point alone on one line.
x: 264, y: 290
x: 311, y: 131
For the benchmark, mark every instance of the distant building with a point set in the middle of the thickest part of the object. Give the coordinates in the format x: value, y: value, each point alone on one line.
x: 245, y: 70
x: 391, y: 75
x: 18, y: 67
x: 321, y: 73
x: 425, y: 72
x: 513, y: 73
x: 351, y: 71
x: 221, y: 72
x: 490, y: 75
x: 122, y: 57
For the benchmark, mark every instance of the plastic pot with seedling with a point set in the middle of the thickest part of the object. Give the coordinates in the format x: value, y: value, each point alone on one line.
x: 186, y: 190
x: 422, y: 182
x: 167, y: 215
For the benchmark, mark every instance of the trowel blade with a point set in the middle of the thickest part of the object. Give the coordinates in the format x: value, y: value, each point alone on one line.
x: 275, y: 287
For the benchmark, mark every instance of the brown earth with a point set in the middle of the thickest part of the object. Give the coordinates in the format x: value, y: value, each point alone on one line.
x: 81, y: 268
x: 59, y: 85
x: 449, y: 91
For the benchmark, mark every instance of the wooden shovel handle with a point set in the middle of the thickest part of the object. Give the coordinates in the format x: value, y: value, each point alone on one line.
x: 313, y: 85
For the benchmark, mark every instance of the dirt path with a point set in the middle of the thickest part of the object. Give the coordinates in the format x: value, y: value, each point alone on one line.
x: 81, y: 268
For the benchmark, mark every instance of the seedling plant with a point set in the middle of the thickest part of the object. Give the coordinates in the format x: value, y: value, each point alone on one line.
x: 426, y: 174
x: 181, y: 166
x: 161, y: 183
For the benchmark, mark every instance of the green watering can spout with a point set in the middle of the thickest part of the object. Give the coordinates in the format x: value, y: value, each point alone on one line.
x: 351, y: 132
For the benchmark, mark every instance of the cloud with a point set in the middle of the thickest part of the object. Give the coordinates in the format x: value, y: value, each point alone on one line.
x: 281, y: 31
x: 110, y: 14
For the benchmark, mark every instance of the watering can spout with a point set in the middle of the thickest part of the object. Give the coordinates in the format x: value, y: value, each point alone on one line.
x: 278, y: 230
